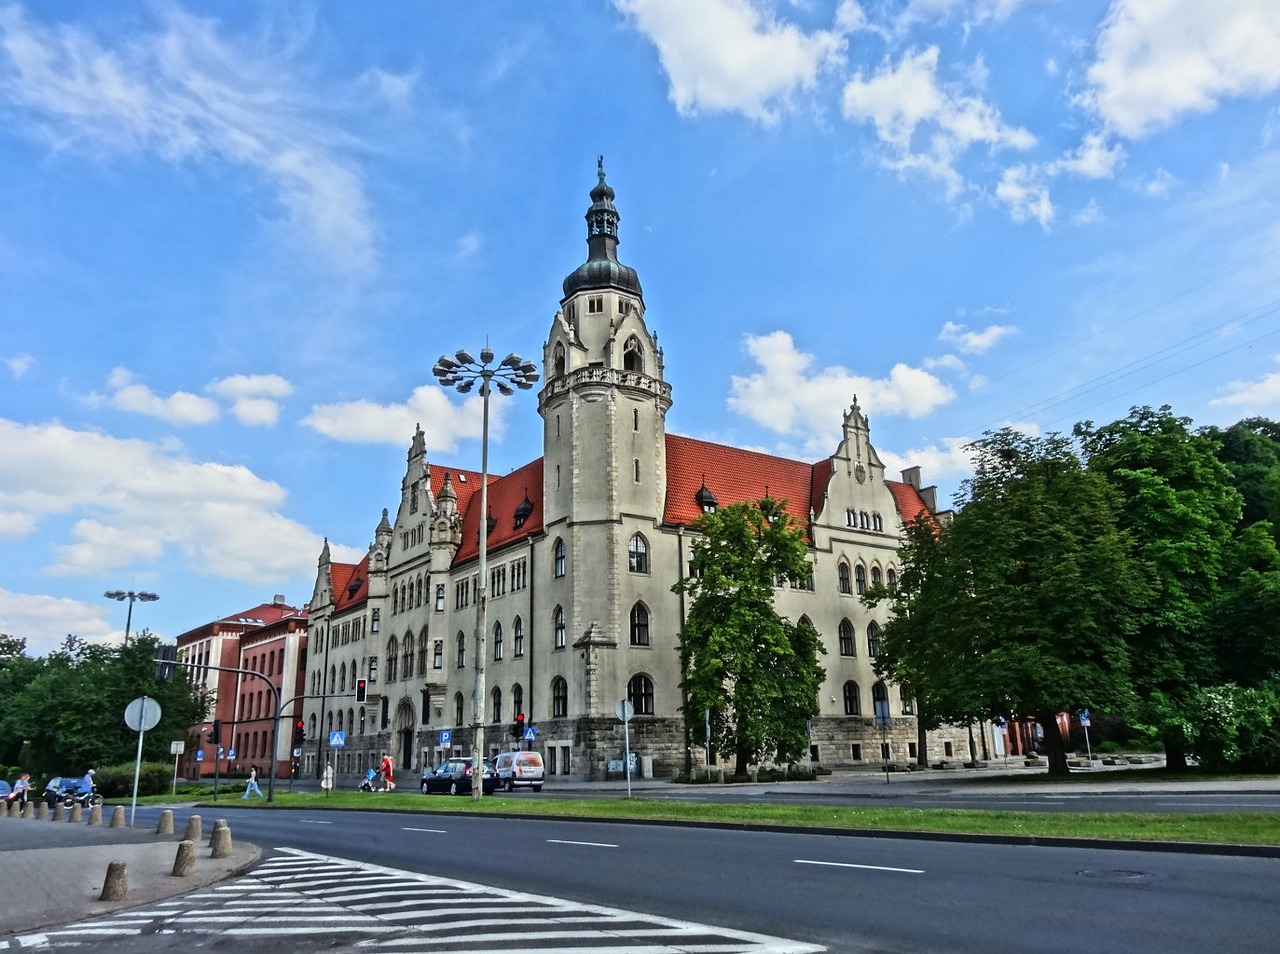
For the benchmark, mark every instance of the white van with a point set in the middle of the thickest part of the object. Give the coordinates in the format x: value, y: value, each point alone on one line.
x: 519, y: 768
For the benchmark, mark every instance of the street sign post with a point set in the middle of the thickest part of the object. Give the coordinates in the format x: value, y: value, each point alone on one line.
x: 176, y: 748
x: 625, y: 710
x: 337, y: 740
x: 1084, y: 724
x: 141, y: 714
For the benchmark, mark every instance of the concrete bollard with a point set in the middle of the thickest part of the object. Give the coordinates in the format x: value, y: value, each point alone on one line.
x: 218, y: 823
x: 165, y: 825
x: 77, y: 812
x: 42, y: 811
x: 184, y: 863
x: 116, y: 887
x: 220, y: 842
x: 117, y: 817
x: 193, y: 829
x: 57, y: 811
x: 29, y: 810
x: 95, y: 815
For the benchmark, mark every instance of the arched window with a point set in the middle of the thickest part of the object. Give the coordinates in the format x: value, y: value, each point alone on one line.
x: 860, y: 579
x: 846, y: 638
x: 342, y: 678
x: 353, y: 672
x: 517, y: 637
x: 633, y: 355
x: 406, y: 661
x: 891, y: 579
x: 496, y: 707
x: 423, y: 648
x: 517, y: 699
x: 842, y: 575
x: 393, y: 659
x: 557, y: 362
x: 639, y: 625
x: 457, y: 708
x: 559, y: 697
x: 497, y: 645
x: 559, y: 558
x: 462, y: 649
x: 437, y: 655
x: 362, y: 720
x: 873, y: 639
x: 852, y: 701
x: 351, y: 721
x: 640, y: 694
x: 880, y: 700
x: 875, y: 576
x: 333, y: 679
x: 638, y: 555
x: 557, y: 626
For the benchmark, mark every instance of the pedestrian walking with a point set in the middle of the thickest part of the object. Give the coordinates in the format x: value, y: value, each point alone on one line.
x: 252, y: 786
x: 388, y: 773
x: 326, y: 779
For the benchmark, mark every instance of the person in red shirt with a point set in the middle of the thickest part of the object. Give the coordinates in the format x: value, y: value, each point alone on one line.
x: 388, y: 774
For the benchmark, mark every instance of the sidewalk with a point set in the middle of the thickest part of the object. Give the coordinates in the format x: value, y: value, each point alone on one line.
x: 55, y: 871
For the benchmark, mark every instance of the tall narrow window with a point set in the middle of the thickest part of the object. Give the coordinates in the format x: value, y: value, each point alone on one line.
x: 439, y: 597
x: 497, y: 646
x: 842, y: 575
x: 639, y: 625
x: 846, y: 638
x: 462, y: 650
x: 635, y: 419
x: 559, y: 698
x: 860, y: 579
x: 557, y: 625
x: 457, y: 708
x: 873, y: 639
x: 437, y: 655
x: 635, y: 470
x: 852, y: 704
x: 638, y: 555
x: 633, y: 355
x: 496, y: 709
x: 559, y: 558
x: 517, y: 637
x: 517, y: 699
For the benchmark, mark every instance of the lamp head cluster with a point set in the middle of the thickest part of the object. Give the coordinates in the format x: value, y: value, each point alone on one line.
x: 122, y: 595
x: 462, y: 371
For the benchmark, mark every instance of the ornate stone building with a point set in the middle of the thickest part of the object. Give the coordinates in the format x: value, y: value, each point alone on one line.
x: 584, y: 545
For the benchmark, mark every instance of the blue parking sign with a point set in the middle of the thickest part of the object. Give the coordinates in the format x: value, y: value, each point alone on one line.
x: 445, y: 736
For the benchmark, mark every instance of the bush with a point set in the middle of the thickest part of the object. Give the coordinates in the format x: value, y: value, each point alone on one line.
x: 116, y: 781
x: 1238, y: 729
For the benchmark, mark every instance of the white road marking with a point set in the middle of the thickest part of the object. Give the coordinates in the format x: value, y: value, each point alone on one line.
x: 589, y: 844
x: 310, y: 821
x: 433, y: 831
x: 845, y: 864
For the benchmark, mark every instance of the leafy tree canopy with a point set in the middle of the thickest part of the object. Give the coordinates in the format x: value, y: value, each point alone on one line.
x: 756, y: 672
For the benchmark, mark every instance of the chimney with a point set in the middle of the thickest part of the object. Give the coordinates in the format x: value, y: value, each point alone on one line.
x: 912, y: 476
x: 277, y: 600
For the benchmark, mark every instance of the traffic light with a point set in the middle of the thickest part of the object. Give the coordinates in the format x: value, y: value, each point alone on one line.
x: 167, y: 656
x: 215, y: 734
x: 362, y: 690
x: 299, y: 733
x: 517, y: 727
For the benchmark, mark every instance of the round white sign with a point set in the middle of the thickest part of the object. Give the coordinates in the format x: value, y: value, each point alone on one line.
x: 142, y: 714
x: 625, y: 710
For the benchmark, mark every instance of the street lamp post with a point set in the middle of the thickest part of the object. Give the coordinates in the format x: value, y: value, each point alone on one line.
x: 130, y: 596
x: 462, y: 371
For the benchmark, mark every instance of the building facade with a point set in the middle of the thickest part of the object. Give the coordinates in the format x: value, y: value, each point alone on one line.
x: 584, y: 546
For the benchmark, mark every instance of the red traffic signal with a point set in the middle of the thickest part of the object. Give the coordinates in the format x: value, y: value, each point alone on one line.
x: 299, y: 733
x: 517, y: 727
x: 362, y: 690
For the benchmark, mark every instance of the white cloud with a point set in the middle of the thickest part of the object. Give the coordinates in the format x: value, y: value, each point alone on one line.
x: 139, y: 504
x: 255, y: 398
x: 974, y: 342
x: 443, y: 423
x: 24, y: 614
x: 974, y: 11
x: 180, y: 408
x: 1254, y: 398
x: 1158, y: 60
x: 1027, y: 196
x: 1160, y: 184
x: 185, y: 93
x: 906, y: 102
x: 730, y: 56
x: 1092, y: 159
x: 1090, y: 213
x: 947, y: 460
x: 19, y: 364
x: 788, y: 396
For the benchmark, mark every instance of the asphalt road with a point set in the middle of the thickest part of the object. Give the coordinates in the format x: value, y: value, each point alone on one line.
x: 846, y: 893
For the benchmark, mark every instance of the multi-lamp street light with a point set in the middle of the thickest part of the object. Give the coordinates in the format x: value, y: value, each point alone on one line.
x: 461, y: 372
x: 130, y: 595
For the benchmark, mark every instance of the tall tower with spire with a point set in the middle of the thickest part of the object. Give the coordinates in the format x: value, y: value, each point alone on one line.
x: 604, y: 407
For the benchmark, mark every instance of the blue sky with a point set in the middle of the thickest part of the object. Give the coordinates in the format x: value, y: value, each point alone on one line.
x: 235, y: 238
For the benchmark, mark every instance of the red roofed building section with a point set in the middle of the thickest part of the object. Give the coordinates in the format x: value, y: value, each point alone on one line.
x: 584, y: 545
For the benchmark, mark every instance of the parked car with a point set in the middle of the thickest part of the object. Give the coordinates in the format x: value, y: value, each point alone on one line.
x: 519, y: 768
x: 57, y: 787
x: 454, y: 776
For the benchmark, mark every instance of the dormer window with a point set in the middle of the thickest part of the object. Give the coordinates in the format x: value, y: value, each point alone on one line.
x: 523, y: 510
x: 705, y: 499
x: 633, y: 355
x: 353, y: 587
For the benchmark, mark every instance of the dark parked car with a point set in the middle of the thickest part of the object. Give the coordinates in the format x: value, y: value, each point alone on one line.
x: 58, y: 786
x: 453, y: 776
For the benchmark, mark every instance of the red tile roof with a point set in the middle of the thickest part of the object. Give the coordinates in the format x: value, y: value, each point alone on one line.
x: 506, y: 493
x: 342, y: 576
x: 910, y: 504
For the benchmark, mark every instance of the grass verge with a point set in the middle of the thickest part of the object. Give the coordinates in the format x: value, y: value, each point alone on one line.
x: 1236, y: 828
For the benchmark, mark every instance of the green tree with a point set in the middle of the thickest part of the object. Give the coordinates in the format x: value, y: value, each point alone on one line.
x: 17, y: 671
x: 756, y: 672
x: 1251, y: 451
x: 920, y: 644
x: 1179, y: 507
x: 1038, y: 594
